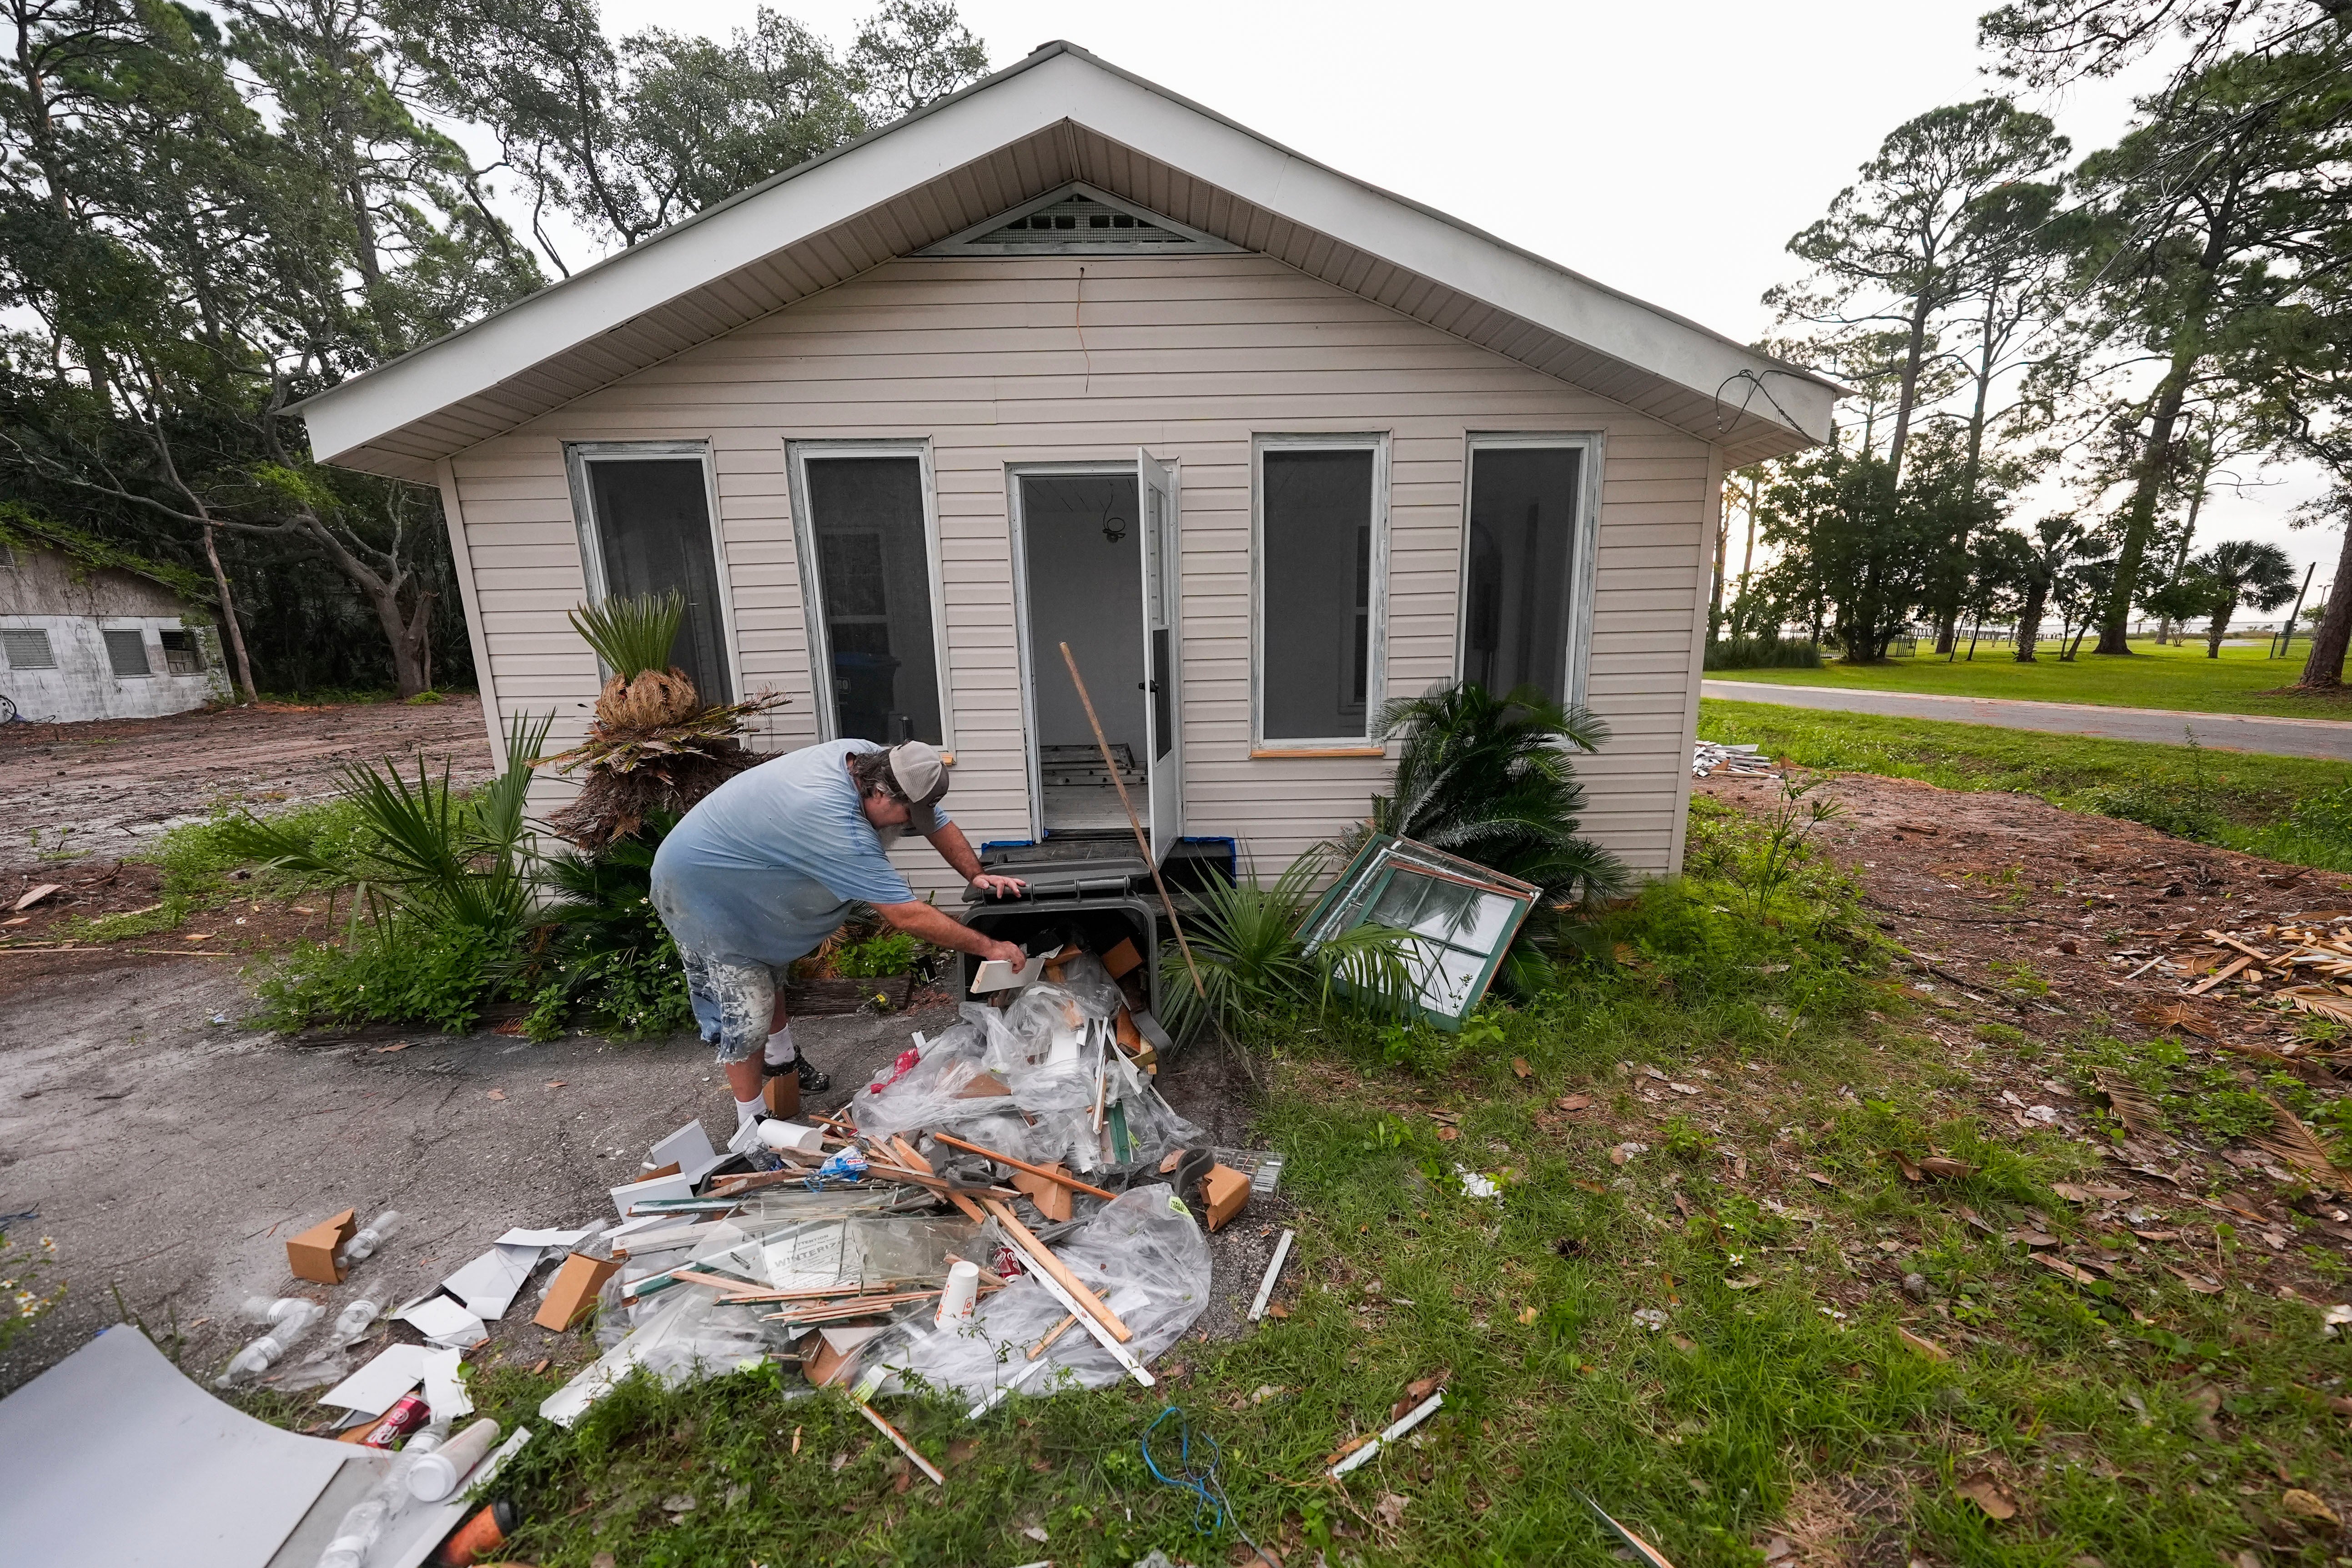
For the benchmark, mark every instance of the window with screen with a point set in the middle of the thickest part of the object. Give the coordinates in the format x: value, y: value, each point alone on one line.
x: 1318, y: 563
x: 867, y: 533
x: 183, y: 654
x: 27, y: 647
x: 649, y: 522
x: 1518, y: 566
x: 126, y: 652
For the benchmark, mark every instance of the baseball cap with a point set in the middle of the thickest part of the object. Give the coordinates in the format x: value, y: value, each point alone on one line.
x: 922, y: 775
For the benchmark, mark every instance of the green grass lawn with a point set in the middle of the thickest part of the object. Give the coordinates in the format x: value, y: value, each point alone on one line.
x: 1754, y: 1220
x: 2240, y: 681
x: 2296, y: 809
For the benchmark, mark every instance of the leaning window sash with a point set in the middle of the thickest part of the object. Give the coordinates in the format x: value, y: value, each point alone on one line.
x: 1452, y: 963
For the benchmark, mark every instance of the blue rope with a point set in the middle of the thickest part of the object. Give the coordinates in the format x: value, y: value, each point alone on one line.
x: 1212, y: 1509
x: 1206, y: 1503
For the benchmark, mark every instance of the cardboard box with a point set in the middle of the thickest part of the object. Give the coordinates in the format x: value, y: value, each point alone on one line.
x: 312, y: 1255
x: 1052, y: 1198
x: 836, y: 1349
x: 782, y: 1096
x: 1119, y: 960
x: 1227, y: 1192
x: 573, y: 1291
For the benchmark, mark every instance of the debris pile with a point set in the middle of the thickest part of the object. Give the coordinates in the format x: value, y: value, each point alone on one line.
x: 1009, y: 1207
x: 1743, y: 760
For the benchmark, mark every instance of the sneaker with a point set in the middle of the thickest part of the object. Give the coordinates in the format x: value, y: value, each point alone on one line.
x: 812, y: 1080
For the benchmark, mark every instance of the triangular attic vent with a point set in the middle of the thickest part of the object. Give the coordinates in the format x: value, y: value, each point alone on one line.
x: 1078, y: 220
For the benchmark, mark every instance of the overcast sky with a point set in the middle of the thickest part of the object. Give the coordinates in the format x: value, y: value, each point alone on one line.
x: 1669, y: 151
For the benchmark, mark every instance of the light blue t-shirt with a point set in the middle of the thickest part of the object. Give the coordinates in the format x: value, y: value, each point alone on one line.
x: 766, y: 866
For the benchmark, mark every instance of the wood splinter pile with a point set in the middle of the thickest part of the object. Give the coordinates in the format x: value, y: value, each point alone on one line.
x: 2304, y: 964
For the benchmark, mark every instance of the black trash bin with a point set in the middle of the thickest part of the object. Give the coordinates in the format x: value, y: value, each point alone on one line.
x: 1085, y: 891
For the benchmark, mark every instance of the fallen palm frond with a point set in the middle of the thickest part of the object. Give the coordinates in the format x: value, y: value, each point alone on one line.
x: 2296, y: 1146
x: 2132, y: 1106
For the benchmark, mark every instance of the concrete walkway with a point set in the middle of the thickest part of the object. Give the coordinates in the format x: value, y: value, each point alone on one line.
x: 2328, y: 738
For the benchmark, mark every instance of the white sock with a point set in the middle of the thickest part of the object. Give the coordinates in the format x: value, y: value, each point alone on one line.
x: 748, y: 1110
x: 780, y: 1046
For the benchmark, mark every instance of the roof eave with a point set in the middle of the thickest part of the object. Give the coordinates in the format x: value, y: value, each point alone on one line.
x: 353, y: 418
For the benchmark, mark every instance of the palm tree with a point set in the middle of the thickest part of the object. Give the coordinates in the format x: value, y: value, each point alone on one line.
x: 1489, y: 778
x: 2240, y: 572
x: 2040, y: 565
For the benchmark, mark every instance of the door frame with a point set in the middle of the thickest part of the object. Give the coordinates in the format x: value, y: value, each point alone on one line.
x: 1017, y: 531
x: 577, y: 455
x: 815, y: 637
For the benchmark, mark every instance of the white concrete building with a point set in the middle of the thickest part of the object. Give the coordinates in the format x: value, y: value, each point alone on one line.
x: 81, y: 641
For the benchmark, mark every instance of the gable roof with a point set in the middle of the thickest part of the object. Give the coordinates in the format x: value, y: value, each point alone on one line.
x: 1059, y: 117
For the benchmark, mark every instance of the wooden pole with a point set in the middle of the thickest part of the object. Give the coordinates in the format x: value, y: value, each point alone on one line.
x: 1037, y: 1252
x: 1142, y: 840
x: 1059, y: 1178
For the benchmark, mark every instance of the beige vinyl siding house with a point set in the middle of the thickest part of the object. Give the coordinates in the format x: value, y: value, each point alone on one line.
x: 1271, y: 375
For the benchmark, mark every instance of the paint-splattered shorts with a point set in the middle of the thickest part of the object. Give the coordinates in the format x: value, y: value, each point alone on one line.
x: 735, y: 1003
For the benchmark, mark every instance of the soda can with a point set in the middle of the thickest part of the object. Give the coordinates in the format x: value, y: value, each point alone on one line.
x: 409, y: 1416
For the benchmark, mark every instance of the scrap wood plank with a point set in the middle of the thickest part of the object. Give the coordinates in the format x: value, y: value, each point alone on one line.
x: 1025, y: 1242
x: 963, y: 1201
x: 2257, y: 954
x: 1061, y: 1178
x: 2218, y: 976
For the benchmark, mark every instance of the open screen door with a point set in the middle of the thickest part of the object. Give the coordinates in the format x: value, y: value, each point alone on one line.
x: 1165, y: 767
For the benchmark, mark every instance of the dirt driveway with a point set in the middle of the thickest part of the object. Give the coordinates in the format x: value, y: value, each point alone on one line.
x: 99, y: 789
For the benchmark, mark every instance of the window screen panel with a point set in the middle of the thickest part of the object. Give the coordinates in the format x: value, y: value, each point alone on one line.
x: 27, y: 647
x: 874, y: 575
x: 1317, y: 587
x: 1519, y: 576
x: 653, y: 529
x: 127, y: 652
x: 183, y: 654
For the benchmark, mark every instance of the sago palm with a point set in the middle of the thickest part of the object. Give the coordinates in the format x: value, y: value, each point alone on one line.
x: 1490, y: 778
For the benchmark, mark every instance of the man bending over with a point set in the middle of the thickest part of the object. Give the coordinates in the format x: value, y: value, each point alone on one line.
x: 768, y: 865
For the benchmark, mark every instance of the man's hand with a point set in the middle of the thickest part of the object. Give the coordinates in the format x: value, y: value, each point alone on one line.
x: 1007, y: 953
x: 993, y: 886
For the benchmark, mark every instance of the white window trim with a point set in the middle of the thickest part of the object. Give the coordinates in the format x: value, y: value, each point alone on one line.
x: 1583, y: 547
x: 577, y: 455
x: 1376, y: 676
x: 820, y: 647
x: 1018, y: 534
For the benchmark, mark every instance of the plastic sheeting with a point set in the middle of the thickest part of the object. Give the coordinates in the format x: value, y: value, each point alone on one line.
x: 1045, y: 1051
x: 1144, y: 1252
x: 685, y: 1334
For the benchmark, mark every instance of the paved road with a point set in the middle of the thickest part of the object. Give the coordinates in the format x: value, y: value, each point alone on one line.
x: 2328, y: 738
